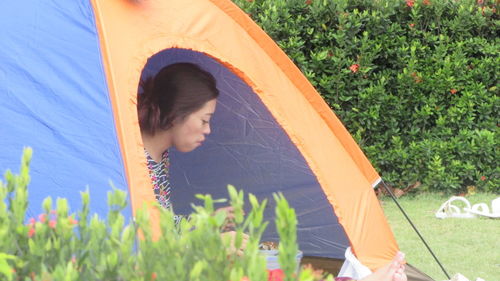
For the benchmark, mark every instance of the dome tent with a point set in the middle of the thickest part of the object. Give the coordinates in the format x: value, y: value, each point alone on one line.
x: 69, y: 77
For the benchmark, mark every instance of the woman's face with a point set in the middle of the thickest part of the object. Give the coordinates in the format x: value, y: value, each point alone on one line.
x: 190, y: 132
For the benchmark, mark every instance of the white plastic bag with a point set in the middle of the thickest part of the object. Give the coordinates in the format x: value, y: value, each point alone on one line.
x: 352, y: 267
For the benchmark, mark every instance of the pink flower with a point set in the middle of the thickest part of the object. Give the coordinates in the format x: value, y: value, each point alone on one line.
x: 276, y: 275
x: 153, y: 276
x: 453, y: 91
x: 31, y: 232
x: 42, y: 217
x: 32, y: 221
x: 426, y: 2
x: 309, y: 2
x: 483, y: 178
x: 52, y: 223
x: 412, y: 25
x: 410, y: 3
x: 354, y: 68
x: 71, y: 220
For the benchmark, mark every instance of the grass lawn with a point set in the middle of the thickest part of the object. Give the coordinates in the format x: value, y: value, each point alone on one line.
x: 467, y: 246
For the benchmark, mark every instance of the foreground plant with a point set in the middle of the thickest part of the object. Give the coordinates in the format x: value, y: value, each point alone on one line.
x: 57, y: 245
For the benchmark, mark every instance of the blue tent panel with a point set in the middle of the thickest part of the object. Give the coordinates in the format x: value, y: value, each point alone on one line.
x: 54, y: 98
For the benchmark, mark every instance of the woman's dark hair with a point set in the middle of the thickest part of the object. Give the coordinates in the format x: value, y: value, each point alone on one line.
x: 175, y: 92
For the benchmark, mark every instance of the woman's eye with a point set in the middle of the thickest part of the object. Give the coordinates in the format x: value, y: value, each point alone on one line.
x: 204, y: 122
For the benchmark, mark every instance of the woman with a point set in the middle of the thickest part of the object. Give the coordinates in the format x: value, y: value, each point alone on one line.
x: 174, y: 110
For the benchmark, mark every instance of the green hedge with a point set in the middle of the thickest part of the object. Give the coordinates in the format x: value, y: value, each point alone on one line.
x: 413, y: 81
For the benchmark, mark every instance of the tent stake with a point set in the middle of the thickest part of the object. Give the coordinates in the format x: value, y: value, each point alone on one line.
x: 415, y: 228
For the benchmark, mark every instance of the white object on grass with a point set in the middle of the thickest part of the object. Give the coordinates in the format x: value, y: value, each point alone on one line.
x: 450, y: 210
x: 481, y: 209
x: 460, y: 277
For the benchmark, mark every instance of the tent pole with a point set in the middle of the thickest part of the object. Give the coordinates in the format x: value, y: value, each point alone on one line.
x: 414, y: 228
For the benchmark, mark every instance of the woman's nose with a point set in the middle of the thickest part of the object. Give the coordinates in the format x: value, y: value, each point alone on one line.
x: 207, y: 129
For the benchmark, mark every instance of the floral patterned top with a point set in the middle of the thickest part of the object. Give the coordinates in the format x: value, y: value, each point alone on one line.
x: 160, y: 178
